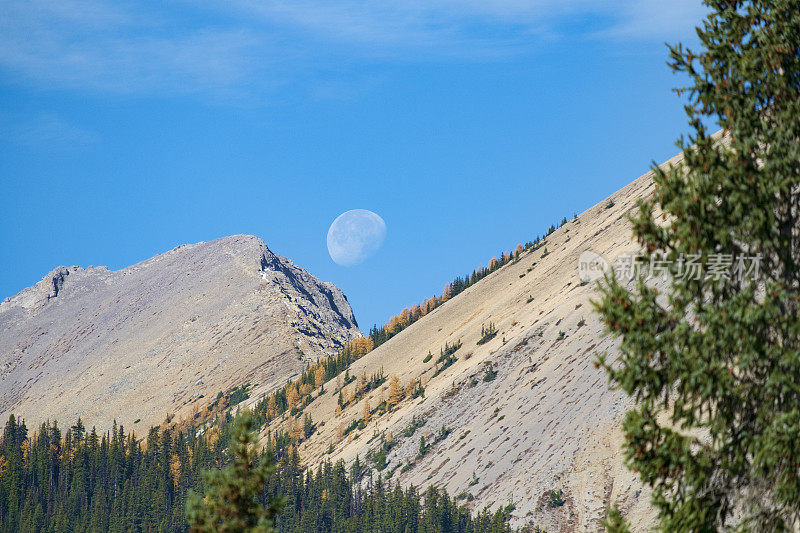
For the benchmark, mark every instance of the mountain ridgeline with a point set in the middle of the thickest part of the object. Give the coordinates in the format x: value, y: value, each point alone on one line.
x: 152, y: 340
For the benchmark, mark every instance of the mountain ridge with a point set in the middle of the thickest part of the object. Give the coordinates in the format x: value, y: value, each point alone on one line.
x: 157, y: 320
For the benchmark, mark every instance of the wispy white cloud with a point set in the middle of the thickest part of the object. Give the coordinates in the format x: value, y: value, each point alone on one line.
x: 227, y: 45
x: 100, y: 46
x: 656, y: 20
x: 472, y: 24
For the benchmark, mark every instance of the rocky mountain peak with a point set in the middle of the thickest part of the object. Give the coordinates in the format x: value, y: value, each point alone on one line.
x: 149, y: 339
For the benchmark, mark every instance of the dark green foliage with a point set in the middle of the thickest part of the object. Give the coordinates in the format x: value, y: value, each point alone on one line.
x: 308, y: 426
x: 447, y: 357
x: 238, y: 395
x: 333, y: 365
x: 373, y: 382
x: 378, y: 456
x: 82, y: 481
x: 615, y: 522
x: 555, y: 498
x: 354, y: 425
x: 489, y: 372
x: 378, y: 335
x: 712, y: 362
x: 327, y: 500
x: 231, y: 500
x: 487, y: 333
x: 415, y: 424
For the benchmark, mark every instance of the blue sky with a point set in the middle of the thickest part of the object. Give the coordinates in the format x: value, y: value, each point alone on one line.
x: 128, y: 128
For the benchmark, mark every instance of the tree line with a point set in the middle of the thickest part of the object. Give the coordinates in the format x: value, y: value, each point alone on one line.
x: 54, y: 480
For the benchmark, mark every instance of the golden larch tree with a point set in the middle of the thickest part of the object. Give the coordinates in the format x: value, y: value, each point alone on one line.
x: 319, y: 376
x: 348, y: 394
x: 175, y: 469
x: 410, y: 387
x: 361, y: 384
x: 272, y: 408
x: 393, y: 325
x: 432, y: 303
x: 366, y: 415
x: 296, y: 430
x: 395, y: 391
x: 360, y: 346
x: 292, y: 396
x: 424, y: 307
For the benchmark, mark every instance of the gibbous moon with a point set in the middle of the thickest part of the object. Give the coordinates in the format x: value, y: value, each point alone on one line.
x: 354, y: 236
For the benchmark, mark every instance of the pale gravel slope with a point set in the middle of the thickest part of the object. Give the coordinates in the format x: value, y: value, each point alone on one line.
x: 139, y: 342
x: 560, y: 420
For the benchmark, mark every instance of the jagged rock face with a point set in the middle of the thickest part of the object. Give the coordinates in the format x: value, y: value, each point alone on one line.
x: 140, y: 342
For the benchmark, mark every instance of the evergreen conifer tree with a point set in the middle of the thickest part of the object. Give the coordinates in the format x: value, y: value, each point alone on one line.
x: 231, y: 502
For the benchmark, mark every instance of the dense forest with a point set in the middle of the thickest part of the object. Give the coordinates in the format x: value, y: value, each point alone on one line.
x: 76, y: 480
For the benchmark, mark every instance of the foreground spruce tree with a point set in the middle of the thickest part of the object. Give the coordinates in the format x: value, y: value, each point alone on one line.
x: 713, y: 362
x: 231, y: 502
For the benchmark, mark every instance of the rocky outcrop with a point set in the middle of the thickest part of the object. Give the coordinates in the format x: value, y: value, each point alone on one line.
x: 147, y: 340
